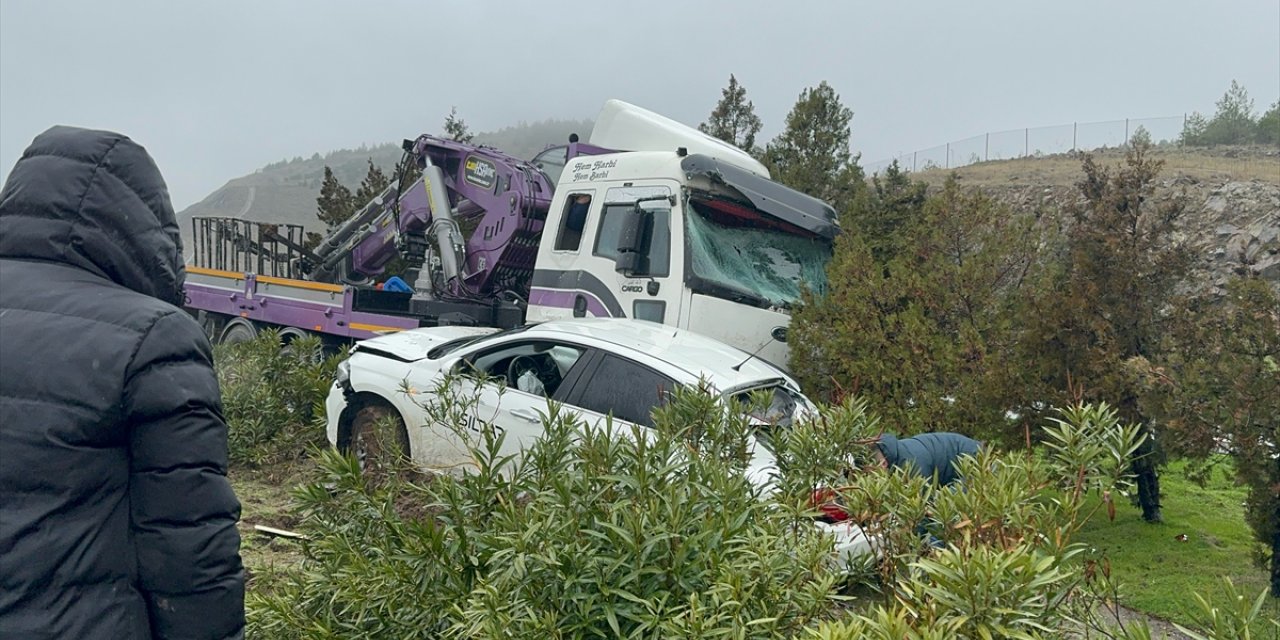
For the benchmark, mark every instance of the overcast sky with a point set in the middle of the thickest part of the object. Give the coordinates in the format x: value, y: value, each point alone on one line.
x: 217, y: 89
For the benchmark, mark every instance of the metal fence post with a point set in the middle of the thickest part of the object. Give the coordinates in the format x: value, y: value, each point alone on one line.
x: 1026, y: 142
x: 913, y: 159
x: 1075, y: 131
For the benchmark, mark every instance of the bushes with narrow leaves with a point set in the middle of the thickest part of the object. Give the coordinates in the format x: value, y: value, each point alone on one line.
x: 272, y: 396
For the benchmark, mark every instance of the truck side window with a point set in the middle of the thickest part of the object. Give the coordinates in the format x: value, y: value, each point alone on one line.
x: 628, y: 390
x: 573, y: 222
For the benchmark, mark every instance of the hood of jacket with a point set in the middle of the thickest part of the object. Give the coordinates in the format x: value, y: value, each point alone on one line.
x: 890, y: 448
x: 94, y: 200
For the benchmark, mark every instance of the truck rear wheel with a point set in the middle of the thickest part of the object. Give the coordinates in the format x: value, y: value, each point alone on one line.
x: 379, y: 440
x: 237, y: 332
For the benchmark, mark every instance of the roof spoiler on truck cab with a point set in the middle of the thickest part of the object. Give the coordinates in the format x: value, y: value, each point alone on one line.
x: 781, y: 202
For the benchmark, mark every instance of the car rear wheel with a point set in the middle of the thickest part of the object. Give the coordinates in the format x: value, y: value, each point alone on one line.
x: 379, y: 440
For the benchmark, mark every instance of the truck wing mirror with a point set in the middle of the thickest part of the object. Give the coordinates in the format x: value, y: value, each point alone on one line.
x: 633, y: 241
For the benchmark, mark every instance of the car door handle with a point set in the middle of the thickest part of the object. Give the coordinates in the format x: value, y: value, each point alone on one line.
x: 527, y: 414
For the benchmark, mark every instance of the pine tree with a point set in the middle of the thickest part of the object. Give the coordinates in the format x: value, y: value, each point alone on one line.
x: 923, y: 332
x: 334, y: 205
x: 887, y: 213
x: 375, y: 181
x: 812, y: 154
x: 1269, y: 125
x: 1219, y: 387
x: 734, y: 118
x: 1234, y: 121
x: 456, y: 128
x: 1107, y: 302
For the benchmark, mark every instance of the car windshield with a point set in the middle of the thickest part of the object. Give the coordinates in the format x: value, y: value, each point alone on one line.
x: 736, y: 251
x: 444, y: 349
x: 772, y: 407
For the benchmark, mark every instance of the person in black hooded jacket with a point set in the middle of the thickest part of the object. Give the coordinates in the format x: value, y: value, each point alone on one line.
x: 931, y: 455
x: 116, y: 517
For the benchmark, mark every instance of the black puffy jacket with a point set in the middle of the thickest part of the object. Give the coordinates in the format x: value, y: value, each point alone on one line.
x: 116, y: 517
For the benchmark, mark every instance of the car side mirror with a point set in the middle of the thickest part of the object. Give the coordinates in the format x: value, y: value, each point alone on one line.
x: 633, y: 242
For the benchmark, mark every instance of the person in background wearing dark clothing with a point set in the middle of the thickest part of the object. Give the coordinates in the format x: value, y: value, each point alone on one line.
x: 116, y: 517
x: 931, y: 455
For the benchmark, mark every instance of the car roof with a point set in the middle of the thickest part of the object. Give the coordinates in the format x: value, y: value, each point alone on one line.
x: 692, y: 353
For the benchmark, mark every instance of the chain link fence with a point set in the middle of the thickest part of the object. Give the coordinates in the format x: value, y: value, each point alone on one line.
x: 1036, y: 141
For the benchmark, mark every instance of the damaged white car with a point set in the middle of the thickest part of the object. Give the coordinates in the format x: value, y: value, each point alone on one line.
x: 594, y: 367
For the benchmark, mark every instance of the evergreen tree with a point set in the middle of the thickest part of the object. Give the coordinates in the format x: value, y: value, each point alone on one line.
x: 1105, y: 304
x: 375, y: 181
x: 456, y: 128
x: 334, y: 205
x: 1193, y: 130
x: 812, y: 153
x: 924, y: 332
x: 734, y: 118
x: 1141, y: 136
x: 1269, y: 125
x: 1234, y: 121
x: 1219, y: 387
x: 888, y: 211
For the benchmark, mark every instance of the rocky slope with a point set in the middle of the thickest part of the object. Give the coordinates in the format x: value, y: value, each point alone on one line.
x: 1232, y: 196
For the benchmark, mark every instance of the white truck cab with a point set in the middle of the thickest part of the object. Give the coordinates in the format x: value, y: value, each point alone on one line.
x: 680, y: 229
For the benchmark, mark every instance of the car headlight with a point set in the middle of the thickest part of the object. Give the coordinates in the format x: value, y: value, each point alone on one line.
x: 343, y: 376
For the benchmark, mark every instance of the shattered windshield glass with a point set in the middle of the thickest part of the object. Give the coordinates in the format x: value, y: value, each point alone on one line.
x: 733, y: 254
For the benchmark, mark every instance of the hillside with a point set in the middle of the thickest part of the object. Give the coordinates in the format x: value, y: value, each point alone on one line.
x: 1232, y: 196
x: 286, y: 191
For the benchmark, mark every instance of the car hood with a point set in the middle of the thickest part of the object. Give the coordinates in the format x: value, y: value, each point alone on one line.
x: 413, y: 345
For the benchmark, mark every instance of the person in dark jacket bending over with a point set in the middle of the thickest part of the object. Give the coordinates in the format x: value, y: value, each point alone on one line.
x: 116, y: 517
x: 931, y: 455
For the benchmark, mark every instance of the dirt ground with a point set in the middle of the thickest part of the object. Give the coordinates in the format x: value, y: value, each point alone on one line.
x: 264, y: 500
x: 1064, y: 169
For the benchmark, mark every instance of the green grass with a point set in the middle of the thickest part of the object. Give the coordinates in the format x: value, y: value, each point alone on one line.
x: 1158, y: 573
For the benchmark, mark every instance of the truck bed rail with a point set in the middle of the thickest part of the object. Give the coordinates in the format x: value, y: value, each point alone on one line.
x: 231, y: 244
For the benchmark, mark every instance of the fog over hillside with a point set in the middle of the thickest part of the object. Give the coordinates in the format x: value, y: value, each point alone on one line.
x: 285, y: 191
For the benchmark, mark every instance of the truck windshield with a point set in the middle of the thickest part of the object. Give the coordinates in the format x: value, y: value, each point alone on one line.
x: 736, y: 252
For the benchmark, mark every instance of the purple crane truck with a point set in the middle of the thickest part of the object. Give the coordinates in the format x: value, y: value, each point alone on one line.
x: 680, y: 229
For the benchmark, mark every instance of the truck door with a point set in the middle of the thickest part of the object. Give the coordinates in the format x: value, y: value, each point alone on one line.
x: 579, y: 277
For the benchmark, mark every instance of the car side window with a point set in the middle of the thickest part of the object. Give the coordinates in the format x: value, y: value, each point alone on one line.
x: 535, y: 366
x: 628, y: 390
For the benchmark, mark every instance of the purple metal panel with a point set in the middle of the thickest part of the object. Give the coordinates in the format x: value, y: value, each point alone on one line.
x: 338, y: 320
x: 564, y: 300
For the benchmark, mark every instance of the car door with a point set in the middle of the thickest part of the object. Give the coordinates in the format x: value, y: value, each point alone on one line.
x: 619, y: 387
x: 513, y: 382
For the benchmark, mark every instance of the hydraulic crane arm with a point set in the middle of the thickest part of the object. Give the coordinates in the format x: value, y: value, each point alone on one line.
x: 477, y: 211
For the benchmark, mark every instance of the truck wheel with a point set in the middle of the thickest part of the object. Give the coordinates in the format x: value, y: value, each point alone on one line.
x: 238, y: 332
x: 378, y: 438
x: 287, y: 336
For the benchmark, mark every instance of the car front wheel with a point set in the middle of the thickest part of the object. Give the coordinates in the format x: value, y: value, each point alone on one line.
x: 379, y: 440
